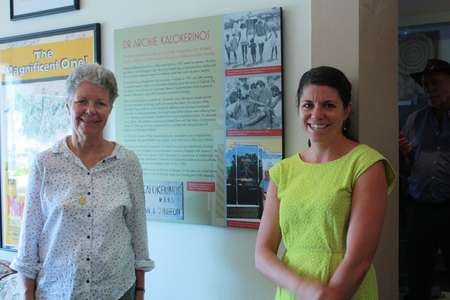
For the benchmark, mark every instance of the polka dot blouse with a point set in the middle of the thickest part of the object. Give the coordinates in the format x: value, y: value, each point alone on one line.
x: 84, y: 231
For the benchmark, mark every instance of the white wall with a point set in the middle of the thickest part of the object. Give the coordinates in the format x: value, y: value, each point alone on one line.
x: 192, y: 261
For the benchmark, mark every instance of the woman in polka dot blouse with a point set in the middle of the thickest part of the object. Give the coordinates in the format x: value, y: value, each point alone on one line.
x: 84, y: 231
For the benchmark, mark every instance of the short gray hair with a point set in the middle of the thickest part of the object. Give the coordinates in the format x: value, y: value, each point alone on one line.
x: 95, y: 74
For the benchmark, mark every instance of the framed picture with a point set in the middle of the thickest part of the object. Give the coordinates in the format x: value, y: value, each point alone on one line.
x: 33, y: 69
x: 22, y: 9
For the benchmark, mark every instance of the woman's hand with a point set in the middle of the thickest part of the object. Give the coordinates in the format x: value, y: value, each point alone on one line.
x: 329, y: 293
x: 309, y: 290
x: 27, y: 287
x: 404, y: 145
x: 27, y: 296
x: 313, y: 290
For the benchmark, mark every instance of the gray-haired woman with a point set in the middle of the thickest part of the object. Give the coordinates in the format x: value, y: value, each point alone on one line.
x: 84, y: 232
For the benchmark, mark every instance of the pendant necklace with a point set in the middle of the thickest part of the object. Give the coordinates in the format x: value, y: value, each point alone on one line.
x: 82, y: 200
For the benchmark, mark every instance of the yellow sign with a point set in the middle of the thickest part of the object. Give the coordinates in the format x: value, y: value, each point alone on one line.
x: 46, y: 60
x: 33, y: 116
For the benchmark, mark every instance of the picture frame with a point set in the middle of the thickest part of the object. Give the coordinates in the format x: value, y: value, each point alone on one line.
x: 22, y: 9
x: 33, y: 69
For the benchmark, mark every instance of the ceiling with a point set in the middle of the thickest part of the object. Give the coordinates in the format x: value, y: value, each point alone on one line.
x: 423, y: 7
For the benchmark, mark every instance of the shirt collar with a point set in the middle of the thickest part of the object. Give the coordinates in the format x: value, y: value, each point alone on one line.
x: 61, y: 148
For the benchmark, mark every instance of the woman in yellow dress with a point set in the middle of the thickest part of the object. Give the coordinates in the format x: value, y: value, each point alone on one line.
x: 326, y: 204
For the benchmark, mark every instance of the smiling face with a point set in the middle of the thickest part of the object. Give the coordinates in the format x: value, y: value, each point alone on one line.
x: 322, y: 113
x: 89, y: 110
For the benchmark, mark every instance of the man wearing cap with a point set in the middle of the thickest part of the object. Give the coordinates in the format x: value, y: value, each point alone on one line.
x: 425, y: 150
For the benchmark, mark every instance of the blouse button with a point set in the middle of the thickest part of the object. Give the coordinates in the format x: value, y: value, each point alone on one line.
x: 88, y: 259
x: 89, y: 215
x: 89, y: 173
x: 88, y: 193
x: 87, y: 281
x: 88, y: 236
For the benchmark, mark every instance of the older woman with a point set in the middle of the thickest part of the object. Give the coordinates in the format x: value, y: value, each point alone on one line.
x: 84, y: 230
x: 327, y: 203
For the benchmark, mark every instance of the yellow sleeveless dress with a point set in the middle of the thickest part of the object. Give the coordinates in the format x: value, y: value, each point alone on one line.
x: 315, y: 204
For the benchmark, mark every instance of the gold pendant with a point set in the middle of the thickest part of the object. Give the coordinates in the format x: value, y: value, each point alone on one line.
x: 82, y: 200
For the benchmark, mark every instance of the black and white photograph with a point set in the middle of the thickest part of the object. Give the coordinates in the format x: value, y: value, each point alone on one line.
x: 253, y: 102
x: 252, y: 39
